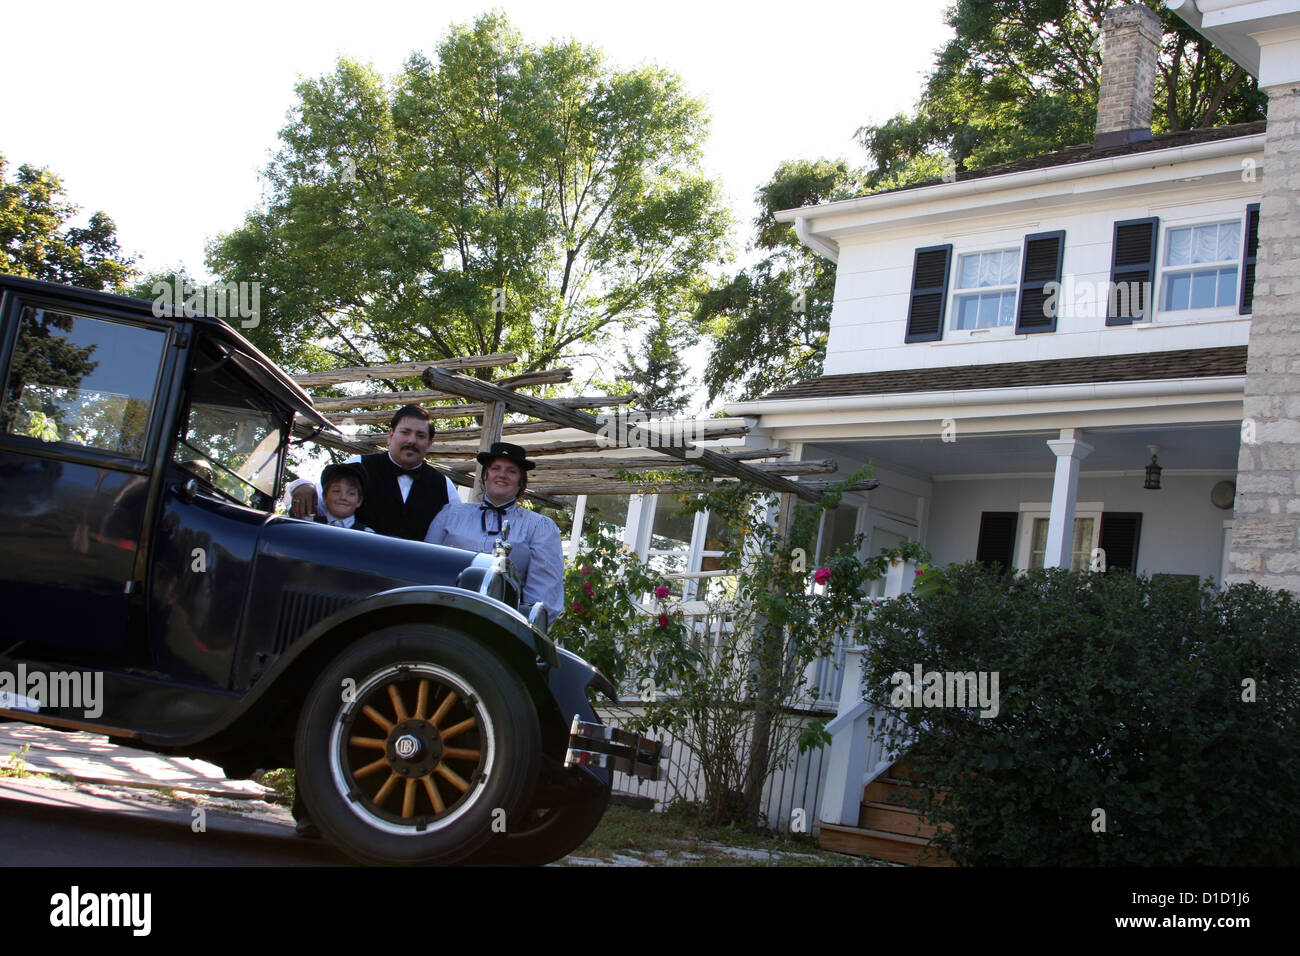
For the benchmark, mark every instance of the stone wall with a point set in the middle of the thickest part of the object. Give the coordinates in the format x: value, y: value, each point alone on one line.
x: 1266, y: 530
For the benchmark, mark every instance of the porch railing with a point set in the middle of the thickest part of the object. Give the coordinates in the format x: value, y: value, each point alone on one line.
x: 864, y: 736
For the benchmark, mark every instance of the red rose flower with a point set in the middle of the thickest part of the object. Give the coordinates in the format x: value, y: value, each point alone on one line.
x: 663, y: 620
x: 661, y: 591
x: 822, y: 575
x: 586, y: 586
x: 577, y: 607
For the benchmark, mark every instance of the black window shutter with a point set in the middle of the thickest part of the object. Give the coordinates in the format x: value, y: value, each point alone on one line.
x: 929, y: 294
x: 1119, y: 535
x: 1248, y: 262
x: 997, y: 541
x: 1132, y: 270
x: 1044, y: 252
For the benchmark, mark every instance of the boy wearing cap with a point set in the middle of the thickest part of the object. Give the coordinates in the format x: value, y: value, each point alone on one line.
x: 343, y: 495
x: 535, y: 538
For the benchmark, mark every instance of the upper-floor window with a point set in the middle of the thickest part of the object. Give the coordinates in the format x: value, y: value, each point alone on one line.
x: 997, y: 288
x: 1200, y: 266
x: 986, y: 289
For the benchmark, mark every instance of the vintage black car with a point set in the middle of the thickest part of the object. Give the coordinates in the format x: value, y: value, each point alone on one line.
x: 428, y: 719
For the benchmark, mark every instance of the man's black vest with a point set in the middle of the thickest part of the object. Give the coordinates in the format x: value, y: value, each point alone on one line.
x: 382, y: 507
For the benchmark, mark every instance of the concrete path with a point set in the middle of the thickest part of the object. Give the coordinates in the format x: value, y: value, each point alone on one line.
x: 91, y: 758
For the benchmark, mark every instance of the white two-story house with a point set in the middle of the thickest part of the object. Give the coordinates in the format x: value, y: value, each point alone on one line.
x: 1011, y: 350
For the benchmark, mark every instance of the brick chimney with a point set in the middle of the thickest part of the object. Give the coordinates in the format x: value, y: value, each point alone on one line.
x: 1130, y: 47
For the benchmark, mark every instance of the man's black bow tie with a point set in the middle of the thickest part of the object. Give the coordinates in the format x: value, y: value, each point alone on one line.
x: 399, y: 470
x: 485, y: 507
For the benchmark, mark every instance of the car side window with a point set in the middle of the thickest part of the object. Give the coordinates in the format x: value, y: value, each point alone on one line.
x: 82, y: 381
x: 234, y: 435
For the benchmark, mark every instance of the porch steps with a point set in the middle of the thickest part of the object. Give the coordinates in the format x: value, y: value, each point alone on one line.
x: 887, y: 829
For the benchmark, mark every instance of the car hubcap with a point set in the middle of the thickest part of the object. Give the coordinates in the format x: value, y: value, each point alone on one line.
x: 412, y: 748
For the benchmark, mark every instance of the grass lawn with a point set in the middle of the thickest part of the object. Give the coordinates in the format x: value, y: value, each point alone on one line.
x: 628, y: 837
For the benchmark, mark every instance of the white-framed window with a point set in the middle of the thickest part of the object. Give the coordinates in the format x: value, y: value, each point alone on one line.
x: 672, y: 540
x: 985, y: 290
x: 1034, y: 519
x: 1200, y: 266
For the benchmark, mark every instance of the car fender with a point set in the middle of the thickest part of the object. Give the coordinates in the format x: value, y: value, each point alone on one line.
x: 503, y: 627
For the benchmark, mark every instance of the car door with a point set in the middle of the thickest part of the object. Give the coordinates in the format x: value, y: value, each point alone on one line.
x: 85, y: 391
x: 218, y: 492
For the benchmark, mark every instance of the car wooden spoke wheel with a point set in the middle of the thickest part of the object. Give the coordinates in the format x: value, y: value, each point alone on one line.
x: 417, y: 745
x: 411, y: 747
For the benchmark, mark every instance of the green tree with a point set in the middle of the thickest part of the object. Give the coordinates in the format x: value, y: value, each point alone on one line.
x: 657, y: 373
x: 501, y: 196
x: 36, y: 240
x: 1020, y: 78
x: 768, y: 324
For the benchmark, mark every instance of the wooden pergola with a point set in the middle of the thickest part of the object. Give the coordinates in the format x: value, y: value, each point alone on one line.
x: 565, y: 467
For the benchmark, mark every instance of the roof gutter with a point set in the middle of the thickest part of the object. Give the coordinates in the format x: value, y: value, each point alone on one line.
x: 828, y: 248
x: 1034, y: 177
x: 1023, y: 395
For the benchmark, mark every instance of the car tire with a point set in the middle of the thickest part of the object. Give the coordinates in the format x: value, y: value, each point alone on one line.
x: 415, y: 746
x: 546, y: 835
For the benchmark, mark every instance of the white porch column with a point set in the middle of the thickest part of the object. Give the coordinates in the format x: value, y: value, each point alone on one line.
x: 1070, y: 449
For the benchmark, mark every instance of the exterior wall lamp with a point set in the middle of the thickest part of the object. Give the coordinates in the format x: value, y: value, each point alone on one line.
x: 1153, y: 470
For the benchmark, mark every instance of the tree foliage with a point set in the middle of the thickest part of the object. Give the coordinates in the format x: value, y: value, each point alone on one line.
x: 1139, y: 722
x: 1020, y: 78
x: 37, y: 240
x: 500, y: 196
x: 657, y: 373
x: 768, y: 324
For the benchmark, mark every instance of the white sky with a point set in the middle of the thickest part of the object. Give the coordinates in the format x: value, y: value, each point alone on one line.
x: 163, y: 114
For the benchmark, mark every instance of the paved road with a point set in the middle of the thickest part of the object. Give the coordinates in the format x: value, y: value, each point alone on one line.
x: 50, y: 823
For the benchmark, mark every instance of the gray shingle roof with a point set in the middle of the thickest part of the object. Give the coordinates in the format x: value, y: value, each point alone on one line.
x: 1087, y: 151
x: 1142, y: 366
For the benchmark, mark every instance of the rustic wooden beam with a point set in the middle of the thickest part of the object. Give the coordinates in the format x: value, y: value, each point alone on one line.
x: 377, y: 400
x: 448, y: 452
x: 304, y: 432
x: 510, y: 428
x: 549, y: 376
x: 467, y: 410
x: 601, y: 486
x: 380, y: 399
x: 821, y: 484
x: 556, y: 469
x: 370, y: 373
x: 539, y: 408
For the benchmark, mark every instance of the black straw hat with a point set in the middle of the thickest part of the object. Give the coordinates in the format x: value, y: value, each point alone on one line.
x: 501, y: 449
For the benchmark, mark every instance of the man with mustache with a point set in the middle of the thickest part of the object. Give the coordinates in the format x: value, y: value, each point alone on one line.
x: 403, y: 493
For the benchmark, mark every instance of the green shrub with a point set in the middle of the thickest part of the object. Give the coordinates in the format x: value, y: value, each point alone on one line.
x: 1116, y: 694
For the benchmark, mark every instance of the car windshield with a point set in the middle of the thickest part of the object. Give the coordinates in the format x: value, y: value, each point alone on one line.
x: 234, y: 435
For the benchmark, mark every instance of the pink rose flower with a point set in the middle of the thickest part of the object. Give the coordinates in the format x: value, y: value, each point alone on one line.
x: 822, y: 575
x: 585, y: 569
x: 586, y: 586
x: 577, y: 607
x: 663, y: 620
x: 661, y: 591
